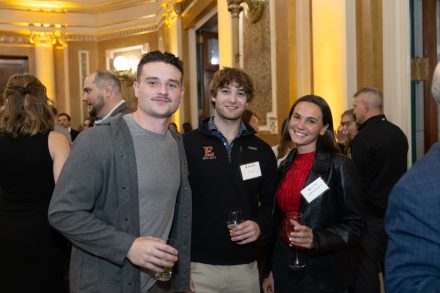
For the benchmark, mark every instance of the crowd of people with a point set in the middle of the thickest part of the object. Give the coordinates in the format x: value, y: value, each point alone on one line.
x: 107, y: 209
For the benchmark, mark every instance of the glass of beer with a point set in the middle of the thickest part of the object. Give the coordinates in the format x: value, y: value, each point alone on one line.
x: 167, y: 272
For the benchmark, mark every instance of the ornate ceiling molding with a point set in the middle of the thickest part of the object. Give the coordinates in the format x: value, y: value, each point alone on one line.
x: 128, y: 32
x: 59, y: 39
x: 72, y: 20
x: 8, y: 38
x: 84, y: 17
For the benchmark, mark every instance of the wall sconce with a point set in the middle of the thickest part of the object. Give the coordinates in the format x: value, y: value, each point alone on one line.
x: 254, y: 10
x: 123, y: 69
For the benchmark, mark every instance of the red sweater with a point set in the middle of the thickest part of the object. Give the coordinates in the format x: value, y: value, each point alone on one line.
x: 289, y: 193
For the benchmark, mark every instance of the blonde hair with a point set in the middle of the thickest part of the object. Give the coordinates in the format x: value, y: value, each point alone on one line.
x: 26, y: 109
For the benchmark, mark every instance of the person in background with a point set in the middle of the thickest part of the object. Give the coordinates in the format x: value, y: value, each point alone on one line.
x: 286, y: 144
x: 411, y: 223
x: 229, y: 168
x: 120, y: 200
x: 379, y: 152
x: 88, y: 122
x: 332, y: 226
x: 173, y: 126
x: 346, y: 131
x: 59, y: 128
x: 63, y: 119
x: 102, y: 93
x: 251, y: 119
x: 186, y: 127
x: 33, y: 254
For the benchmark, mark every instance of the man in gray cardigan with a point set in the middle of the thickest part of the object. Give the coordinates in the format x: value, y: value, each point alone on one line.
x: 124, y: 190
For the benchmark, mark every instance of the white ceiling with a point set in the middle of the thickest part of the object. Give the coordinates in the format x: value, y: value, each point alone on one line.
x: 93, y: 17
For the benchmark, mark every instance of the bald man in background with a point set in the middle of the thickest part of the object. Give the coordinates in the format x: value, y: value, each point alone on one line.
x: 102, y: 93
x: 379, y: 152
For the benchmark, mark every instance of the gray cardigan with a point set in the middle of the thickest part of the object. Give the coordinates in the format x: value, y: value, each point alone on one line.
x: 95, y: 205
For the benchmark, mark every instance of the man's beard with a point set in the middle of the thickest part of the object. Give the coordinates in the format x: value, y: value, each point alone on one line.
x: 97, y: 107
x: 92, y: 112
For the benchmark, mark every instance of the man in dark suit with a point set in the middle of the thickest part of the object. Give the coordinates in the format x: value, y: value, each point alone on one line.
x: 379, y: 152
x: 63, y: 120
x: 412, y: 261
x: 102, y: 93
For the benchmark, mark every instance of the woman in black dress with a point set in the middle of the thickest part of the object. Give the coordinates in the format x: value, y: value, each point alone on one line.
x: 33, y: 255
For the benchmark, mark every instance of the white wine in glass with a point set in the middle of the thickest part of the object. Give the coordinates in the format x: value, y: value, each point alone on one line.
x: 234, y: 218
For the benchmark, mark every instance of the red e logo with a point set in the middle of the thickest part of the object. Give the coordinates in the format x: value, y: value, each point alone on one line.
x: 208, y: 151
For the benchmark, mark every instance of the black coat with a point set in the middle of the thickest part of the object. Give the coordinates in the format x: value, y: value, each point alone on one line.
x: 379, y: 152
x: 334, y: 218
x: 73, y: 134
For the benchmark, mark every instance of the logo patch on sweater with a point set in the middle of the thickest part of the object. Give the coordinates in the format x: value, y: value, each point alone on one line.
x: 208, y: 153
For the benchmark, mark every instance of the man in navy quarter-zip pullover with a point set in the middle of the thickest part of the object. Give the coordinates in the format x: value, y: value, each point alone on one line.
x: 229, y: 168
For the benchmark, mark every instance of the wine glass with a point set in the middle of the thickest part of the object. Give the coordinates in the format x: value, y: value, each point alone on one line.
x: 295, y: 261
x: 234, y: 218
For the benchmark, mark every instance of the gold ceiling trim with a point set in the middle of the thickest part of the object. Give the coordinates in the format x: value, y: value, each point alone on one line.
x: 79, y: 32
x: 7, y: 38
x: 111, y: 35
x: 62, y: 38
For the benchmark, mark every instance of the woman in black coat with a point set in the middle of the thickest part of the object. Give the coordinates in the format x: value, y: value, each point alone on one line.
x: 332, y: 227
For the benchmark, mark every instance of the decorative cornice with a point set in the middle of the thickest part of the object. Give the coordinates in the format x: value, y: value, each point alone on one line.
x: 70, y: 37
x: 128, y: 32
x: 121, y: 15
x: 6, y: 38
x: 32, y: 32
x: 60, y: 39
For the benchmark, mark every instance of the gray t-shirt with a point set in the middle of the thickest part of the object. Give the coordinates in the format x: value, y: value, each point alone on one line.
x: 158, y: 169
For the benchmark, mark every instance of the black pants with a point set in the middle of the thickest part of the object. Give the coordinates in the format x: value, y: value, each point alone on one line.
x: 288, y: 281
x: 371, y: 258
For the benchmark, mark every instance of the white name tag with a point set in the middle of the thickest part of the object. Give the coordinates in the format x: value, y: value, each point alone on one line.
x: 314, y: 189
x: 250, y: 171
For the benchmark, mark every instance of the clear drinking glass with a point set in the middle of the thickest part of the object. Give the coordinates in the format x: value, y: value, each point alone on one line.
x: 234, y: 217
x: 167, y: 272
x: 295, y: 261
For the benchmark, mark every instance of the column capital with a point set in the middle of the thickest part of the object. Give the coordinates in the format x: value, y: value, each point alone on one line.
x: 172, y: 11
x: 47, y: 38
